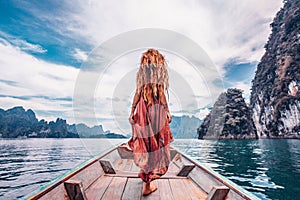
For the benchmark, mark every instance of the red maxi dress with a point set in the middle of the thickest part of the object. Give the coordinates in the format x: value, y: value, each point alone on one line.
x: 150, y: 141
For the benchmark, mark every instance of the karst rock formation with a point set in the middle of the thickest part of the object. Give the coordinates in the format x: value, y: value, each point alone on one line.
x: 275, y: 96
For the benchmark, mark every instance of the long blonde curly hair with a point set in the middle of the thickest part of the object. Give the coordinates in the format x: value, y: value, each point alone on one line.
x: 152, y: 75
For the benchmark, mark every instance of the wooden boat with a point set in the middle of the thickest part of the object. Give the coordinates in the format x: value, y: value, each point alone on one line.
x: 113, y: 175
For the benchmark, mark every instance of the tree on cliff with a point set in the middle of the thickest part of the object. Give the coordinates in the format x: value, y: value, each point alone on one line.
x: 230, y: 118
x: 275, y: 96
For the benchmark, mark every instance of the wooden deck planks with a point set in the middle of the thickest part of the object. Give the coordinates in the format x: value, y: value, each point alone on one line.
x: 98, y: 188
x: 134, y: 168
x: 58, y: 193
x: 194, y: 190
x: 124, y: 165
x: 113, y: 156
x: 128, y: 165
x: 119, y: 165
x: 124, y: 153
x: 89, y: 175
x: 127, y: 185
x: 133, y: 189
x: 130, y: 187
x: 164, y: 189
x: 115, y: 188
x: 172, y: 170
x: 205, y: 180
x: 179, y: 190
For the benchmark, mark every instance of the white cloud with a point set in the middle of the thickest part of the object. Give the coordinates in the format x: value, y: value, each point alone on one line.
x: 202, y: 113
x: 21, y: 44
x: 114, y: 89
x: 246, y: 89
x: 80, y: 55
x: 45, y: 84
x: 225, y: 29
x: 26, y: 46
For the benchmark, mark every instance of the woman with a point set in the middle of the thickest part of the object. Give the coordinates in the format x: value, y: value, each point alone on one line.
x: 150, y: 118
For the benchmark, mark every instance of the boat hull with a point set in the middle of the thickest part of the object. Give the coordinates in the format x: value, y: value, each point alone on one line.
x: 113, y: 175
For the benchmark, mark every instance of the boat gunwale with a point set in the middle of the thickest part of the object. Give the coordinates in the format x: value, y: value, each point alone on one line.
x: 44, y: 189
x: 235, y: 187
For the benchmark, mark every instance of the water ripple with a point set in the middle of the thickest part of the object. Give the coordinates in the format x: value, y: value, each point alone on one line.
x: 269, y: 169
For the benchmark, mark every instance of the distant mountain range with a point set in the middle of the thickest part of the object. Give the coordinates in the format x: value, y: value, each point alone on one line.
x: 16, y: 122
x: 185, y: 126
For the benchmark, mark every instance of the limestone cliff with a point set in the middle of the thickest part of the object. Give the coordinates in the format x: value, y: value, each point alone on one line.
x: 230, y: 118
x: 275, y: 96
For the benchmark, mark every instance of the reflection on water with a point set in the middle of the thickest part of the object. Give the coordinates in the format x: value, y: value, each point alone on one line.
x: 27, y: 164
x: 268, y: 168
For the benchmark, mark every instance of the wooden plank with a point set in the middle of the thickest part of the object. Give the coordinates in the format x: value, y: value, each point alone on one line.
x: 178, y: 189
x: 107, y: 166
x: 126, y: 165
x: 164, y: 189
x: 185, y: 169
x: 154, y: 195
x: 88, y: 175
x: 172, y: 170
x: 134, y: 167
x: 75, y: 190
x: 124, y: 153
x: 180, y: 160
x: 124, y: 174
x: 194, y: 190
x: 218, y: 193
x: 133, y: 189
x: 115, y: 188
x: 135, y: 175
x: 59, y: 193
x: 119, y: 164
x: 233, y: 195
x: 173, y: 153
x: 177, y: 160
x: 97, y: 190
x: 203, y: 179
x: 113, y: 157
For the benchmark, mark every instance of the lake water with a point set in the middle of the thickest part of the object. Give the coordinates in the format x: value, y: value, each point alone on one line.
x: 268, y: 168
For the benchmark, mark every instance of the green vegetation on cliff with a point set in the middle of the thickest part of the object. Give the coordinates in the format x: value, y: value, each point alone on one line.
x: 230, y: 118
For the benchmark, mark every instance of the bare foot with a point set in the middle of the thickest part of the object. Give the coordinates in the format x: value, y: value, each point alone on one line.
x: 148, y: 189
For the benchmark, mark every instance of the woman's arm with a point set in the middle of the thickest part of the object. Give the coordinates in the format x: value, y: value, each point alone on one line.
x: 135, y: 99
x: 163, y: 101
x: 134, y: 103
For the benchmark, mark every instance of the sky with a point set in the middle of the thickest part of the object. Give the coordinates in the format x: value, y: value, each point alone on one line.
x: 46, y: 46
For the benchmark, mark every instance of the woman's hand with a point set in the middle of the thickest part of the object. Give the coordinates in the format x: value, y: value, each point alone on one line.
x: 169, y: 117
x: 131, y: 120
